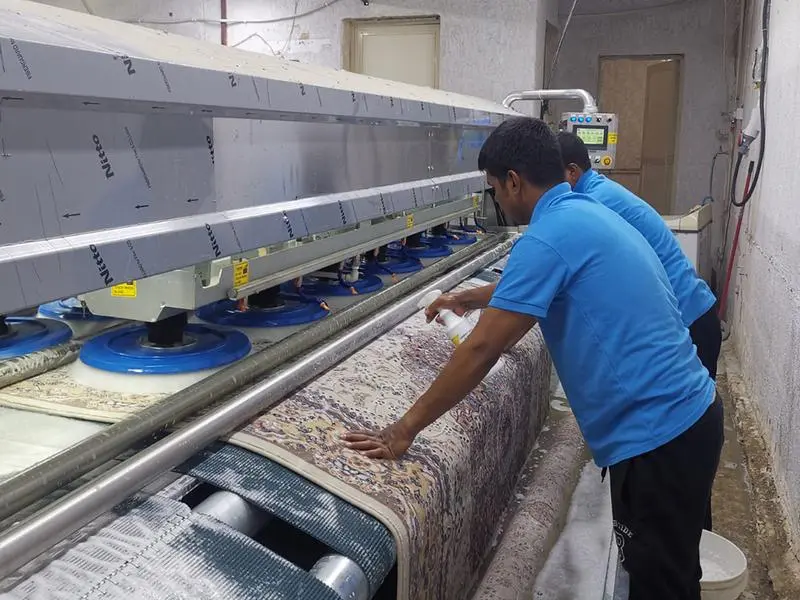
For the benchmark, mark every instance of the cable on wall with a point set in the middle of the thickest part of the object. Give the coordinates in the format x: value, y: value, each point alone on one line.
x: 292, y: 17
x: 761, y: 114
x: 753, y: 174
x: 549, y: 80
x: 626, y: 11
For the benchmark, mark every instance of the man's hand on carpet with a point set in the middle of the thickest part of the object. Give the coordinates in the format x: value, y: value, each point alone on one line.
x: 390, y: 443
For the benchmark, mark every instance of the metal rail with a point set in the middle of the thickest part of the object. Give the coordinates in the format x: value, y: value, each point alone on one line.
x: 31, y: 485
x: 589, y: 103
x: 26, y: 540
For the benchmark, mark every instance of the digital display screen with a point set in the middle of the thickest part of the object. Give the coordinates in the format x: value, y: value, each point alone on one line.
x: 594, y: 137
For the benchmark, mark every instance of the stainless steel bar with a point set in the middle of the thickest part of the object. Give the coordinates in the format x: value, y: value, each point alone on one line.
x: 295, y: 262
x: 236, y: 512
x: 343, y: 576
x: 31, y: 485
x: 589, y: 104
x: 13, y: 370
x: 26, y: 540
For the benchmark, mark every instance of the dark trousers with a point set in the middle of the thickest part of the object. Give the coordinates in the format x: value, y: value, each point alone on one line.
x: 659, y: 502
x: 706, y: 334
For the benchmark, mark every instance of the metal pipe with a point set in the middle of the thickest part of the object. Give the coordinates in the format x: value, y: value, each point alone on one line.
x: 589, y: 104
x: 14, y: 370
x: 27, y: 539
x: 233, y: 510
x: 343, y: 576
x: 33, y: 484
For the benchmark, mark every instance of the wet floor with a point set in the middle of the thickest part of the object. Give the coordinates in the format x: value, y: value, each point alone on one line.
x: 577, y: 565
x: 732, y: 510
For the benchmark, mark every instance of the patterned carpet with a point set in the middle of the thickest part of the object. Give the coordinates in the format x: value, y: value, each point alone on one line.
x: 443, y: 501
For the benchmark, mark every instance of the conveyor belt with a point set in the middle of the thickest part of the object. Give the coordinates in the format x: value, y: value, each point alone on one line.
x: 157, y: 549
x: 297, y: 501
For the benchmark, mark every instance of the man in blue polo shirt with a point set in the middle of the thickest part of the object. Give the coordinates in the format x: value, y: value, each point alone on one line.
x: 643, y: 400
x: 695, y: 299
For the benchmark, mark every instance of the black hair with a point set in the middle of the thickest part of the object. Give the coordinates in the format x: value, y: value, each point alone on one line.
x: 526, y: 146
x: 574, y: 151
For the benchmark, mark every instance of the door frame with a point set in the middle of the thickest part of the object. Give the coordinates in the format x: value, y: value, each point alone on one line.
x: 681, y: 60
x: 350, y: 27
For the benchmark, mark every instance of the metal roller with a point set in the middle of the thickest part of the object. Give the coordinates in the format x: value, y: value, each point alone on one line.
x: 35, y: 483
x: 343, y: 576
x: 28, y: 539
x: 234, y: 511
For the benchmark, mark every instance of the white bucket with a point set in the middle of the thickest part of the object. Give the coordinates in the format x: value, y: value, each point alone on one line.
x: 724, y: 568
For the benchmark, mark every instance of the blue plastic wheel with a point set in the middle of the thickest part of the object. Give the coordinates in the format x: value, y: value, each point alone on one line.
x: 321, y: 288
x: 429, y: 251
x: 296, y: 311
x: 127, y: 351
x: 451, y: 239
x: 394, y: 249
x: 394, y: 265
x: 29, y: 334
x: 69, y: 309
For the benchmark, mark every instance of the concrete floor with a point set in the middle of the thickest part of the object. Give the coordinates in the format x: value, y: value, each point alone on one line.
x: 732, y: 509
x: 738, y: 516
x: 578, y: 563
x: 750, y: 511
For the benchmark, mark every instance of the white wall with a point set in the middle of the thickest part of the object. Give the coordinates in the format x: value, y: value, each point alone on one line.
x: 765, y: 298
x: 695, y: 29
x: 488, y: 48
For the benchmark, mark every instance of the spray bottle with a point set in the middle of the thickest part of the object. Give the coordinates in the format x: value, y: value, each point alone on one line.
x: 458, y: 328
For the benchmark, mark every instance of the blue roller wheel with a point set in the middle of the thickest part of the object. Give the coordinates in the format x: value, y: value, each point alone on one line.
x: 394, y: 265
x: 29, y: 334
x: 395, y: 249
x: 128, y: 351
x: 451, y: 239
x: 318, y: 287
x: 69, y: 309
x: 296, y: 311
x: 429, y: 251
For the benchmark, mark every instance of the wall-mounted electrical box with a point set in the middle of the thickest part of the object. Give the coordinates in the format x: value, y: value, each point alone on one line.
x: 599, y: 133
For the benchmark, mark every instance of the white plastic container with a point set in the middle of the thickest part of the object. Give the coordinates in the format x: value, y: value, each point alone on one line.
x: 724, y: 568
x: 458, y: 328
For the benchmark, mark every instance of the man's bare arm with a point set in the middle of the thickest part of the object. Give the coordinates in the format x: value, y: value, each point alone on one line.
x: 496, y: 330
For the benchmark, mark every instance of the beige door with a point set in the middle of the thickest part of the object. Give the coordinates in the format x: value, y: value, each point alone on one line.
x: 660, y: 134
x: 645, y: 93
x: 404, y: 50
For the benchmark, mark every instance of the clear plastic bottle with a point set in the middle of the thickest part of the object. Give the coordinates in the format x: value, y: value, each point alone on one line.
x: 458, y: 328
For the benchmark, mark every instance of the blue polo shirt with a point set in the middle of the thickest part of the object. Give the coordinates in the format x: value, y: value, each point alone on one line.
x: 695, y: 298
x: 611, y: 324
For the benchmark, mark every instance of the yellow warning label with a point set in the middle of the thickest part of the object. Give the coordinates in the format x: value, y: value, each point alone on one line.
x: 409, y: 221
x: 476, y: 200
x: 241, y: 273
x: 262, y: 252
x: 612, y: 138
x: 124, y: 290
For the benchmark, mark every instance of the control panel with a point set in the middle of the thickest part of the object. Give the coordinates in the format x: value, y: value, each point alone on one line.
x: 599, y: 133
